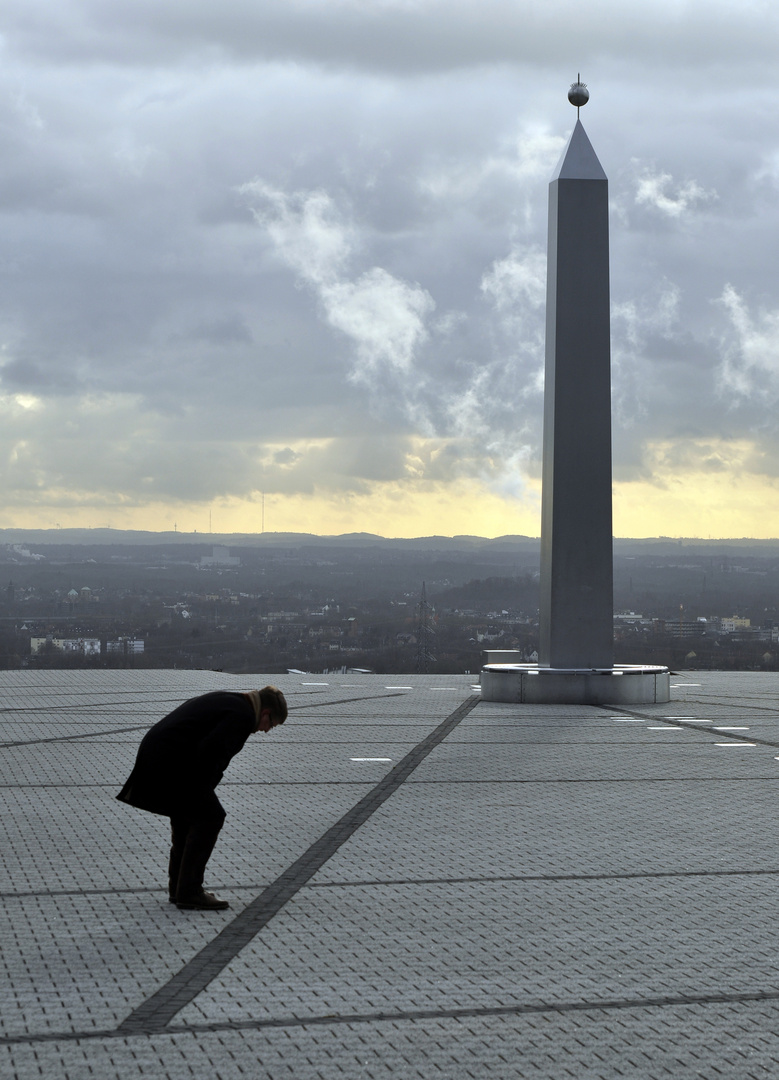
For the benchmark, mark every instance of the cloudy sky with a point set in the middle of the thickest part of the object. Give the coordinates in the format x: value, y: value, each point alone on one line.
x: 298, y: 247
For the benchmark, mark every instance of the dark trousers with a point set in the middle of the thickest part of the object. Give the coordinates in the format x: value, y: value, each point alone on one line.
x: 193, y: 836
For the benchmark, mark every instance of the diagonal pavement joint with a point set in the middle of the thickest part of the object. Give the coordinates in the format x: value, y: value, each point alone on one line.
x: 156, y: 1012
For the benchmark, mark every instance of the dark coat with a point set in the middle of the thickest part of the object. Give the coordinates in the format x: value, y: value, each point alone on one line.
x: 183, y: 757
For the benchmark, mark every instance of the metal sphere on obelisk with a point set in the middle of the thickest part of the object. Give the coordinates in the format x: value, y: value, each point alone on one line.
x: 578, y: 95
x: 576, y: 611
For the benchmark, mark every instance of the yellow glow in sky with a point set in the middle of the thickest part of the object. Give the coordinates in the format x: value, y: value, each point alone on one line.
x: 700, y: 489
x: 693, y: 489
x: 387, y: 510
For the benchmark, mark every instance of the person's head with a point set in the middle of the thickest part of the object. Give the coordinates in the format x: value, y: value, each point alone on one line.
x: 273, y: 708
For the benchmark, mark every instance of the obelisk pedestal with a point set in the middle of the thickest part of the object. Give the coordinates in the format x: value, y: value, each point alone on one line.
x: 576, y: 611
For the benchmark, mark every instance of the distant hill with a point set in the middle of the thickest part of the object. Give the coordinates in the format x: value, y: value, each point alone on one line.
x: 124, y: 537
x: 527, y: 545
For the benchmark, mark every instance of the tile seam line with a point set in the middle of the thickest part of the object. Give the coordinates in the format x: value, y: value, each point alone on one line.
x: 143, y: 727
x: 409, y: 1015
x: 46, y: 894
x: 150, y: 700
x: 722, y: 701
x: 155, y: 1013
x: 80, y: 706
x: 687, y: 726
x: 453, y: 783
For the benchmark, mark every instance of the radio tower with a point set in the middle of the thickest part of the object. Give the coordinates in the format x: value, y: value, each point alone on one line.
x: 424, y: 633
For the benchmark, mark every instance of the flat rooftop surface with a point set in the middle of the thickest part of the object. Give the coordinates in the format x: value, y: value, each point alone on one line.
x: 421, y: 884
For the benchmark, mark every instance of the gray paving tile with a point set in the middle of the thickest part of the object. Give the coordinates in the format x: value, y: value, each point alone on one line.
x: 481, y: 829
x: 552, y: 892
x: 100, y: 844
x: 472, y: 945
x: 686, y: 1042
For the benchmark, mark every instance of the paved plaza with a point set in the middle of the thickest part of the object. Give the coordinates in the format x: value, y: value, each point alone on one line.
x: 421, y: 885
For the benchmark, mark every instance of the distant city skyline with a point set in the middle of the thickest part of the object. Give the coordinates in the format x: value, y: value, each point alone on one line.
x: 299, y: 248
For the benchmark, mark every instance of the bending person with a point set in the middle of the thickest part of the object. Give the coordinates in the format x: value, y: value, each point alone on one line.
x: 179, y: 764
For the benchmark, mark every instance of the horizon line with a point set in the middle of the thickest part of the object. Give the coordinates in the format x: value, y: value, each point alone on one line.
x: 206, y: 536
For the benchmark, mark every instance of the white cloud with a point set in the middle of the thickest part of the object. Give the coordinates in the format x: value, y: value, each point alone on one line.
x: 651, y: 315
x: 657, y: 190
x: 633, y: 324
x: 769, y: 168
x: 750, y: 362
x: 517, y: 282
x: 527, y: 159
x: 383, y: 316
x: 516, y: 287
x: 306, y: 230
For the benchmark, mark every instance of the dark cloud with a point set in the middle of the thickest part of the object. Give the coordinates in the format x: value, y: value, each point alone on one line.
x: 27, y: 376
x: 393, y: 37
x: 302, y: 244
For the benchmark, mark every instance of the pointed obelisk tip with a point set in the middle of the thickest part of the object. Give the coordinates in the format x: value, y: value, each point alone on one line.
x: 579, y: 161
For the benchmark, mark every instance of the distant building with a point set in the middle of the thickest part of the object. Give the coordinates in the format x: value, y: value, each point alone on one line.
x: 628, y: 617
x: 220, y: 557
x: 680, y: 628
x: 83, y: 646
x: 729, y: 626
x: 125, y: 645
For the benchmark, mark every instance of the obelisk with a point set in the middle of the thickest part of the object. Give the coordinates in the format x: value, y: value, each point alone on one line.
x: 576, y: 606
x: 576, y: 650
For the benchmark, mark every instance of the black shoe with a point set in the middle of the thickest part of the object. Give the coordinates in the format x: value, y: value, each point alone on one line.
x: 202, y: 901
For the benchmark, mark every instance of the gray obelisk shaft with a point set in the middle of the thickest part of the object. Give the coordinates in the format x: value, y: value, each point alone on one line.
x: 576, y: 611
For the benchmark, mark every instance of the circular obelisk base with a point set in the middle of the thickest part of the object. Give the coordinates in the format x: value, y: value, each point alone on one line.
x: 623, y: 684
